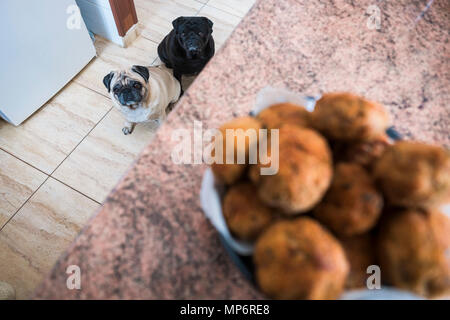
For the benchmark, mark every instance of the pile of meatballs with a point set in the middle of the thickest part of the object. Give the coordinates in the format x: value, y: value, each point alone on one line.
x: 344, y: 198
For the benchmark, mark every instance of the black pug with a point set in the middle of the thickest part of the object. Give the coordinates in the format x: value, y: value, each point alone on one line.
x: 188, y: 47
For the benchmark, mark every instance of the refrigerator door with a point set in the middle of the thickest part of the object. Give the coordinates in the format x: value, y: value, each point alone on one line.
x: 44, y: 44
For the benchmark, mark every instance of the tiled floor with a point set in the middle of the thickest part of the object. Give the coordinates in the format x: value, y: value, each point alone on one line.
x: 59, y: 166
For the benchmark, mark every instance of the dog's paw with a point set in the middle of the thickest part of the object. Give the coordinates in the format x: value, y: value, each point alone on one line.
x: 126, y: 131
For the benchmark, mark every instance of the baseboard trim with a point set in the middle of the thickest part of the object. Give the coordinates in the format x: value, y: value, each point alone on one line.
x: 129, y: 37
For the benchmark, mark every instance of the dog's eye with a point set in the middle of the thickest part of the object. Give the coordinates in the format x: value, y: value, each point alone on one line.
x: 137, y: 85
x: 201, y: 34
x: 116, y: 89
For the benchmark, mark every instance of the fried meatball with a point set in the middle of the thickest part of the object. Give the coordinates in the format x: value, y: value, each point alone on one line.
x: 364, y: 153
x: 414, y: 251
x: 299, y: 259
x: 306, y: 140
x: 414, y: 174
x: 229, y: 173
x: 361, y: 253
x: 245, y: 214
x: 304, y: 171
x: 352, y: 205
x: 345, y: 116
x: 278, y: 115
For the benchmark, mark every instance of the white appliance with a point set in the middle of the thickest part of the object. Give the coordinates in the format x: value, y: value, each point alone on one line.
x: 44, y: 44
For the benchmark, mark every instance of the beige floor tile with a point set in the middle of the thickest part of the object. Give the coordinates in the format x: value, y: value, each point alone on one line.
x: 156, y: 16
x: 46, y: 138
x: 236, y: 7
x: 186, y: 82
x: 224, y: 23
x: 39, y: 233
x: 112, y: 57
x: 98, y: 163
x: 18, y: 181
x: 157, y: 62
x: 18, y: 270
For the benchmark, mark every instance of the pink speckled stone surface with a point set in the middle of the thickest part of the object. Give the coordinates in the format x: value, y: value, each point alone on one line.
x: 151, y: 240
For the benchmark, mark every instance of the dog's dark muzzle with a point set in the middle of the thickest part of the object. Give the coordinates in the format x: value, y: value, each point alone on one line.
x: 193, y: 48
x: 129, y: 96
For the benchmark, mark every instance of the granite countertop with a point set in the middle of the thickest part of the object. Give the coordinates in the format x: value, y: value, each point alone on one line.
x: 151, y: 240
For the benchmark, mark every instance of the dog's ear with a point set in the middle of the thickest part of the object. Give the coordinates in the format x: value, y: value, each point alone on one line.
x: 142, y: 71
x: 210, y: 23
x: 177, y: 22
x: 107, y: 80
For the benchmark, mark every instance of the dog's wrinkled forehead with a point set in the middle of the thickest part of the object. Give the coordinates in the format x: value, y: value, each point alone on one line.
x: 124, y: 77
x: 195, y: 24
x: 127, y: 77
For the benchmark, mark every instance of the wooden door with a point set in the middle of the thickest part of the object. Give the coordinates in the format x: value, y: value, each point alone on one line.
x: 124, y: 13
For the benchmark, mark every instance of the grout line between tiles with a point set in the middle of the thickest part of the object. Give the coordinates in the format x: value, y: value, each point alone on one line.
x: 201, y: 8
x: 48, y: 176
x: 204, y: 5
x: 68, y: 155
x: 232, y: 14
x: 29, y: 164
x: 78, y: 191
x: 150, y: 40
x: 93, y: 90
x: 51, y: 174
x: 45, y: 180
x: 23, y: 204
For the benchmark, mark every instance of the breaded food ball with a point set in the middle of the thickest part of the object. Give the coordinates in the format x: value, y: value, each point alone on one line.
x: 361, y: 253
x: 345, y: 116
x: 245, y: 214
x: 306, y: 140
x: 300, y: 259
x: 414, y: 251
x: 229, y: 173
x: 365, y: 153
x: 304, y: 171
x: 352, y: 205
x: 414, y: 174
x: 280, y: 114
